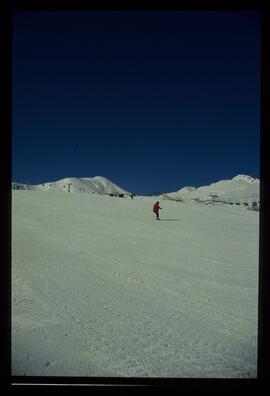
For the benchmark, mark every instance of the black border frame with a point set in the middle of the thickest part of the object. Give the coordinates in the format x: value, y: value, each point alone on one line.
x: 84, y: 383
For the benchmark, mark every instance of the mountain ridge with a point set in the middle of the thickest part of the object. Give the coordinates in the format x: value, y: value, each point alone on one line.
x: 97, y: 184
x: 241, y: 188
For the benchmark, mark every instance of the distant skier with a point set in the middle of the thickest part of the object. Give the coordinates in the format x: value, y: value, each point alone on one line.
x: 156, y: 208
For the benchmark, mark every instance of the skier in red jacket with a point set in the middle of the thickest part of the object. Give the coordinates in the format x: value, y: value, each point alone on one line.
x: 156, y: 208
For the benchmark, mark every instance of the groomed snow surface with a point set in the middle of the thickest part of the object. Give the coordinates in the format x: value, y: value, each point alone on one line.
x: 100, y: 288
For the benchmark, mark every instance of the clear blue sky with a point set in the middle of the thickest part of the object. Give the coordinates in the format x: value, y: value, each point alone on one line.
x: 154, y: 101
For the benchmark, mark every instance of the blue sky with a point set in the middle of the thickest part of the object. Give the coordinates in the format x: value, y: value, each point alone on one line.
x: 154, y: 101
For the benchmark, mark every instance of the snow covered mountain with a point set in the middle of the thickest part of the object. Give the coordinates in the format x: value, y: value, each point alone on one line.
x: 241, y: 188
x: 97, y: 184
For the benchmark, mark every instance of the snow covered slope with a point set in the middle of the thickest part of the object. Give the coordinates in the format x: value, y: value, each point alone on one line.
x: 241, y: 188
x: 98, y: 184
x: 100, y: 288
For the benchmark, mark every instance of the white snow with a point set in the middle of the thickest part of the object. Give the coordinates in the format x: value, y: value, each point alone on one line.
x: 241, y: 188
x: 97, y: 184
x: 100, y: 288
x: 245, y: 179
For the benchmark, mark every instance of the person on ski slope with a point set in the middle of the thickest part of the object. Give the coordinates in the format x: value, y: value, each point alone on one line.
x: 156, y: 208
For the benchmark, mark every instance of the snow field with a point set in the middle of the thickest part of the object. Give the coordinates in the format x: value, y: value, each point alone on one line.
x: 99, y: 288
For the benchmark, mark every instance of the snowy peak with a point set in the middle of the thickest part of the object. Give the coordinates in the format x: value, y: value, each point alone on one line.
x: 98, y: 185
x: 241, y: 188
x: 245, y: 179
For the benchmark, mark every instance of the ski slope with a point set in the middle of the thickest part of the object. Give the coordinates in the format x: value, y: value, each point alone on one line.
x: 99, y: 288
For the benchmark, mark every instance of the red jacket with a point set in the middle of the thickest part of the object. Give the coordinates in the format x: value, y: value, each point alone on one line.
x: 156, y: 207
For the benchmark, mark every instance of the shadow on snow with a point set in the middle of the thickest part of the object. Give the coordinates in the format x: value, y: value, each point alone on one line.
x: 168, y: 220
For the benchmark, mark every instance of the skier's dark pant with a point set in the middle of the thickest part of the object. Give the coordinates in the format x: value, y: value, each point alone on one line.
x: 157, y: 215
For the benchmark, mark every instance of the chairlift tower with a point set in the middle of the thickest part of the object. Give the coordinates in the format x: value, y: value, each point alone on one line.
x: 213, y: 195
x: 69, y: 184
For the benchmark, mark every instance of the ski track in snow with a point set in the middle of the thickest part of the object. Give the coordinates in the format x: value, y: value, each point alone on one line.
x: 99, y: 288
